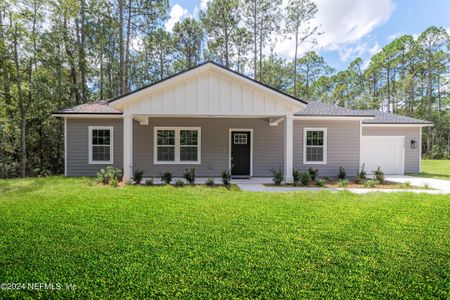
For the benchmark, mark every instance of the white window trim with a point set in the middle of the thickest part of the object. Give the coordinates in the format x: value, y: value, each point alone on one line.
x: 111, y: 146
x: 177, y: 146
x: 325, y: 147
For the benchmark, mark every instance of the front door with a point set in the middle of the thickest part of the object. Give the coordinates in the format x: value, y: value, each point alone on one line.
x: 240, y: 153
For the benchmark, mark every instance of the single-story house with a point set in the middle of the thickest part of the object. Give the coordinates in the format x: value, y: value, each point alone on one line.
x: 215, y: 119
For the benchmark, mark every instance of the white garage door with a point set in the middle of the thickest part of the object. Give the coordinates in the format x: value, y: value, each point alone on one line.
x: 388, y: 152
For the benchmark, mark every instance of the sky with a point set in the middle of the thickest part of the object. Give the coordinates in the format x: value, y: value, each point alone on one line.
x: 350, y: 28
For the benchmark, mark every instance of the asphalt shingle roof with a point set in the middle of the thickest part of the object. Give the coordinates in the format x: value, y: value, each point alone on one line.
x: 97, y: 107
x: 317, y: 108
x: 388, y: 118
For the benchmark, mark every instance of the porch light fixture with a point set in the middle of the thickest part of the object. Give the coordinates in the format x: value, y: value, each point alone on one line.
x: 413, y: 144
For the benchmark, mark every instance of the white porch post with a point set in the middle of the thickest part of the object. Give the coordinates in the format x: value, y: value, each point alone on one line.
x: 127, y: 147
x: 288, y: 147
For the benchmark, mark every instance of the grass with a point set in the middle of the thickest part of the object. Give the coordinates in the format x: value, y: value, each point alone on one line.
x: 432, y: 168
x: 139, y: 242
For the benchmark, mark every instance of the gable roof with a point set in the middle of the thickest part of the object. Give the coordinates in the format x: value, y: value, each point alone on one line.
x: 199, y: 66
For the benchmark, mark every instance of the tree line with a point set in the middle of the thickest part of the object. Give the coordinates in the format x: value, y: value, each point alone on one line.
x: 60, y: 53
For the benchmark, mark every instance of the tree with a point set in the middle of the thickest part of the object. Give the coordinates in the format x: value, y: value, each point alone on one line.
x: 432, y: 44
x: 188, y: 36
x: 221, y: 21
x: 311, y: 66
x: 298, y: 24
x: 261, y: 18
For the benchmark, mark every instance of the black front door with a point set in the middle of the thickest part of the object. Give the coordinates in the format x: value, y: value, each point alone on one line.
x: 240, y: 153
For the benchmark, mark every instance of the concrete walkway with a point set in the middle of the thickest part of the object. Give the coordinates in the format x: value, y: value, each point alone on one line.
x: 438, y: 186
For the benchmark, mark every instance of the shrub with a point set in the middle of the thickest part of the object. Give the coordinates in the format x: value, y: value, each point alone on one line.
x: 362, y: 173
x: 405, y: 185
x: 341, y: 174
x: 149, y: 181
x: 371, y: 183
x: 179, y: 183
x: 137, y: 176
x: 321, y: 182
x: 305, y: 178
x: 166, y: 178
x: 210, y: 182
x: 296, y: 177
x: 226, y: 179
x: 313, y: 173
x: 189, y: 175
x: 379, y: 175
x: 114, y: 183
x: 110, y: 173
x: 358, y: 178
x: 277, y: 176
x: 342, y: 182
x: 326, y: 178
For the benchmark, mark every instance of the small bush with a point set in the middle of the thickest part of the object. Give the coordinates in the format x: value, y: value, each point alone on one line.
x: 313, y: 173
x: 341, y: 174
x: 321, y: 182
x: 189, y: 175
x: 278, y: 176
x: 379, y: 175
x: 114, y: 183
x: 226, y: 179
x: 342, y: 182
x: 305, y: 178
x: 358, y: 178
x: 137, y: 176
x: 296, y: 177
x: 110, y: 173
x: 149, y: 181
x: 326, y: 178
x: 166, y: 178
x: 362, y: 173
x: 405, y: 185
x: 210, y: 182
x: 179, y: 183
x: 371, y: 183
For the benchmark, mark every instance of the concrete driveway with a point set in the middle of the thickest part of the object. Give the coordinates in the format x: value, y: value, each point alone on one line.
x: 439, y: 184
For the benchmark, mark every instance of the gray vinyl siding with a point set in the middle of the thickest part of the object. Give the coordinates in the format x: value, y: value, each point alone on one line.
x: 412, y: 156
x: 343, y: 146
x: 267, y: 145
x: 78, y: 145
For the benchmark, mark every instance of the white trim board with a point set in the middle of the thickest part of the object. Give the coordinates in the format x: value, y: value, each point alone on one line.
x: 230, y: 130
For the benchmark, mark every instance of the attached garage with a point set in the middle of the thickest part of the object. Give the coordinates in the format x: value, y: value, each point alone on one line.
x: 396, y: 149
x: 388, y: 152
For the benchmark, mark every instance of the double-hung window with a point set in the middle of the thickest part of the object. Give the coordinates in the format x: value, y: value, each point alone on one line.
x: 177, y: 145
x: 100, y: 144
x: 314, y: 145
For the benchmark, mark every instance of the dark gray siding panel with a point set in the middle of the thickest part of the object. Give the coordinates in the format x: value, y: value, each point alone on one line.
x: 78, y: 145
x: 412, y: 156
x: 267, y: 145
x: 343, y: 146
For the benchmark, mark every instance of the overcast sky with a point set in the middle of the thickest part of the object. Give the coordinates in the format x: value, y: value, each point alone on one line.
x: 351, y: 28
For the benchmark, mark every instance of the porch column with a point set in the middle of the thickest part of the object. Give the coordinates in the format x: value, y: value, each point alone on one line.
x: 127, y: 147
x: 288, y: 147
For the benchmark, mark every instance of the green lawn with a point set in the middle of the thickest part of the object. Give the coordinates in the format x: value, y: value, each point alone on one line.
x: 193, y: 242
x: 435, y: 169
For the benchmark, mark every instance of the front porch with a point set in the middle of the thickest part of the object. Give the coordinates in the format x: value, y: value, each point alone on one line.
x: 158, y: 144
